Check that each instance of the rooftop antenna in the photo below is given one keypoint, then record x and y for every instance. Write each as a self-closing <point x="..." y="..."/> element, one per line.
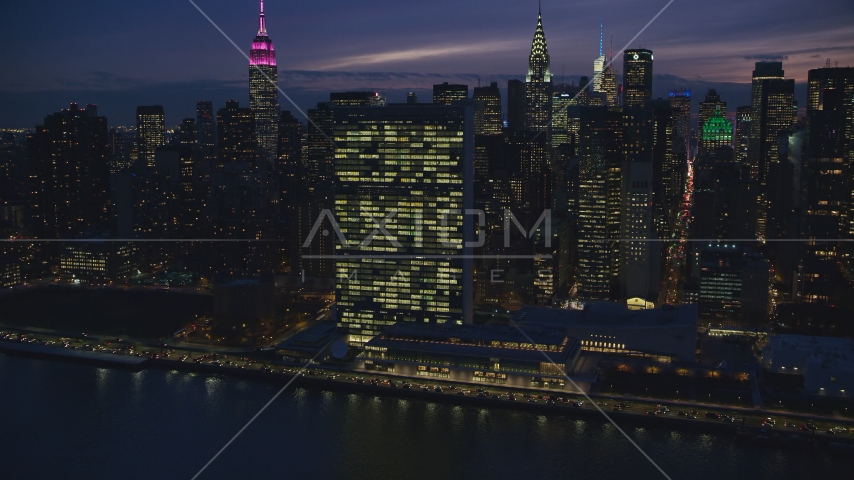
<point x="600" y="37"/>
<point x="611" y="48"/>
<point x="827" y="64"/>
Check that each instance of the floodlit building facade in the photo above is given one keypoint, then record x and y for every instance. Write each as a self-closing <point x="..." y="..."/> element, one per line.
<point x="404" y="175"/>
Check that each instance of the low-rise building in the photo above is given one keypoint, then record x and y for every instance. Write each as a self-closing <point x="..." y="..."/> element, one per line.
<point x="314" y="343"/>
<point x="668" y="333"/>
<point x="826" y="363"/>
<point x="500" y="355"/>
<point x="96" y="262"/>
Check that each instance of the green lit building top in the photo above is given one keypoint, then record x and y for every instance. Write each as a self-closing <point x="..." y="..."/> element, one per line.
<point x="716" y="132"/>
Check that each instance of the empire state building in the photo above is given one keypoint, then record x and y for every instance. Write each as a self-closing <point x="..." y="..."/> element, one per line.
<point x="263" y="94"/>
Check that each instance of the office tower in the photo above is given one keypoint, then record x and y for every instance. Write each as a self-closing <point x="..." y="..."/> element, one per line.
<point x="186" y="134"/>
<point x="357" y="99"/>
<point x="290" y="166"/>
<point x="516" y="105"/>
<point x="721" y="267"/>
<point x="772" y="113"/>
<point x="742" y="134"/>
<point x="447" y="94"/>
<point x="662" y="153"/>
<point x="600" y="159"/>
<point x="318" y="145"/>
<point x="607" y="77"/>
<point x="637" y="77"/>
<point x="640" y="259"/>
<point x="826" y="182"/>
<point x="598" y="65"/>
<point x="403" y="175"/>
<point x="411" y="98"/>
<point x="487" y="110"/>
<point x="562" y="100"/>
<point x="609" y="87"/>
<point x="675" y="169"/>
<point x="538" y="82"/>
<point x="583" y="91"/>
<point x="708" y="108"/>
<point x="263" y="92"/>
<point x="236" y="136"/>
<point x="70" y="175"/>
<point x="150" y="133"/>
<point x="121" y="148"/>
<point x="715" y="133"/>
<point x="206" y="127"/>
<point x="169" y="209"/>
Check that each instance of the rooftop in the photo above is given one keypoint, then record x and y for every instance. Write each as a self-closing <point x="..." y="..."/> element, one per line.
<point x="611" y="314"/>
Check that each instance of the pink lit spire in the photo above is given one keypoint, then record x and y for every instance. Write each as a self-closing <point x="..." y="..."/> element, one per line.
<point x="262" y="28"/>
<point x="262" y="52"/>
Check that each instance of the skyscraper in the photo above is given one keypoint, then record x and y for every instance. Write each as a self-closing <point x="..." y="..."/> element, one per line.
<point x="403" y="177"/>
<point x="536" y="143"/>
<point x="150" y="133"/>
<point x="206" y="125"/>
<point x="487" y="110"/>
<point x="772" y="110"/>
<point x="599" y="201"/>
<point x="263" y="92"/>
<point x="742" y="134"/>
<point x="70" y="175"/>
<point x="827" y="182"/>
<point x="637" y="77"/>
<point x="715" y="132"/>
<point x="598" y="65"/>
<point x="772" y="114"/>
<point x="446" y="94"/>
<point x="708" y="108"/>
<point x="236" y="135"/>
<point x="538" y="82"/>
<point x="676" y="165"/>
<point x="516" y="105"/>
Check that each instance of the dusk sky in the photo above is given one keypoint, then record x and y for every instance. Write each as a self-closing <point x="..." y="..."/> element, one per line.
<point x="122" y="54"/>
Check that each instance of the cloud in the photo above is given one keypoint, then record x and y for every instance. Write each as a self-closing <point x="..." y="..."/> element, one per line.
<point x="420" y="53"/>
<point x="767" y="57"/>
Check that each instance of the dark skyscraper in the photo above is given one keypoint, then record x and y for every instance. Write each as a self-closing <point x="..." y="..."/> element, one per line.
<point x="446" y="94"/>
<point x="290" y="165"/>
<point x="150" y="133"/>
<point x="516" y="105"/>
<point x="827" y="181"/>
<point x="235" y="134"/>
<point x="487" y="110"/>
<point x="263" y="92"/>
<point x="206" y="125"/>
<point x="71" y="177"/>
<point x="742" y="134"/>
<point x="637" y="77"/>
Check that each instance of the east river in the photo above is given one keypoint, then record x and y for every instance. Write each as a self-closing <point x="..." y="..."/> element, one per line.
<point x="70" y="421"/>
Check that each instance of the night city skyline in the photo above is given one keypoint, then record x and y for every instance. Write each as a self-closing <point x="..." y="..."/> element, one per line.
<point x="120" y="60"/>
<point x="607" y="239"/>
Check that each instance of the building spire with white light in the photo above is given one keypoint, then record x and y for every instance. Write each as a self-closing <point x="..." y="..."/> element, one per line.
<point x="262" y="27"/>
